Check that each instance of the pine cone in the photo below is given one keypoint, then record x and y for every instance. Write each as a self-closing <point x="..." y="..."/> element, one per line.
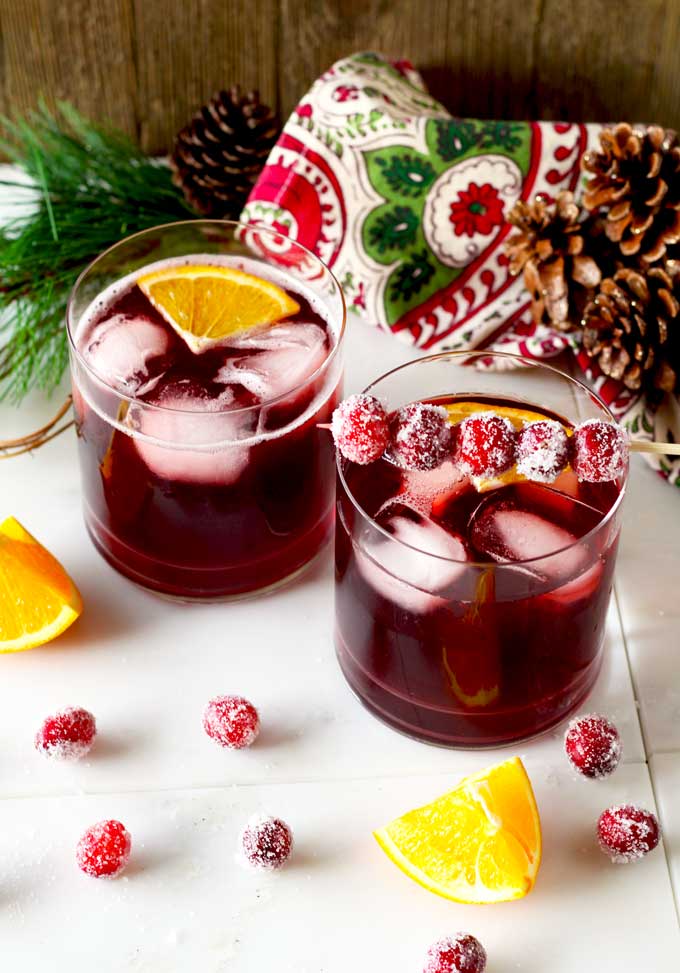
<point x="635" y="178"/>
<point x="218" y="156"/>
<point x="632" y="327"/>
<point x="549" y="249"/>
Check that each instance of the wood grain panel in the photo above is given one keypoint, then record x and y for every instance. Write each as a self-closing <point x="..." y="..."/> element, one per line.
<point x="80" y="51"/>
<point x="664" y="92"/>
<point x="597" y="61"/>
<point x="146" y="65"/>
<point x="476" y="55"/>
<point x="187" y="49"/>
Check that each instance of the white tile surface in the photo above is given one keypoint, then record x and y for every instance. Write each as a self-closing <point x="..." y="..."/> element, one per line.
<point x="665" y="770"/>
<point x="340" y="905"/>
<point x="146" y="668"/>
<point x="648" y="592"/>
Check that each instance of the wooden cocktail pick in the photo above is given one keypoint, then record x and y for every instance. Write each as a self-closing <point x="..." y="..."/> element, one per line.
<point x="661" y="449"/>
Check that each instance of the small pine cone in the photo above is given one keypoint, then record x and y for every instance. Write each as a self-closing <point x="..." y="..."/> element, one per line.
<point x="218" y="156"/>
<point x="635" y="179"/>
<point x="632" y="327"/>
<point x="549" y="247"/>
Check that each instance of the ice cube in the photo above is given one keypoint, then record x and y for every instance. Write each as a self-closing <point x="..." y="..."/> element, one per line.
<point x="582" y="587"/>
<point x="507" y="534"/>
<point x="403" y="569"/>
<point x="280" y="359"/>
<point x="188" y="417"/>
<point x="430" y="491"/>
<point x="121" y="349"/>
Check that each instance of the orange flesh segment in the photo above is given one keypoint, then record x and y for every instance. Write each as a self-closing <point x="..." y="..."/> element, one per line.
<point x="480" y="843"/>
<point x="38" y="600"/>
<point x="208" y="304"/>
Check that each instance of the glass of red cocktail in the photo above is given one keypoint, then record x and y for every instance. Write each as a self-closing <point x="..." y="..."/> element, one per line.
<point x="203" y="356"/>
<point x="470" y="611"/>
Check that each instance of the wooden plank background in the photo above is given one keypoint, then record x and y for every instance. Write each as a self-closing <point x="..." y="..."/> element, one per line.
<point x="146" y="65"/>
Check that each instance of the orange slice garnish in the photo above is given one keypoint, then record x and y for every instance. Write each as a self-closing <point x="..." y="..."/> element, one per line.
<point x="479" y="843"/>
<point x="38" y="600"/>
<point x="207" y="305"/>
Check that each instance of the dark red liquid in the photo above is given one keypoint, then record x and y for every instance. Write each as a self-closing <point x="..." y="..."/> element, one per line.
<point x="490" y="653"/>
<point x="194" y="534"/>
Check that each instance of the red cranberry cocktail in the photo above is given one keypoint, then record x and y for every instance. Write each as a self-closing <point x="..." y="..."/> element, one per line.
<point x="471" y="603"/>
<point x="204" y="355"/>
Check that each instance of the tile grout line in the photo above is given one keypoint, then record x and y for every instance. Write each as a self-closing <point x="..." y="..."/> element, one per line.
<point x="230" y="785"/>
<point x="648" y="755"/>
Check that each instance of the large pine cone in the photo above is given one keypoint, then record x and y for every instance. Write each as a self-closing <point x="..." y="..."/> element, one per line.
<point x="635" y="178"/>
<point x="549" y="248"/>
<point x="632" y="327"/>
<point x="219" y="155"/>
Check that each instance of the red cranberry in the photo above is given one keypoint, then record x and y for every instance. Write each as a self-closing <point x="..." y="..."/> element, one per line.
<point x="593" y="746"/>
<point x="599" y="451"/>
<point x="231" y="721"/>
<point x="266" y="842"/>
<point x="627" y="833"/>
<point x="67" y="735"/>
<point x="421" y="436"/>
<point x="485" y="444"/>
<point x="104" y="849"/>
<point x="360" y="429"/>
<point x="461" y="953"/>
<point x="542" y="450"/>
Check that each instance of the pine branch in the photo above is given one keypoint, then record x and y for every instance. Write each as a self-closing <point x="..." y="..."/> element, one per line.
<point x="93" y="188"/>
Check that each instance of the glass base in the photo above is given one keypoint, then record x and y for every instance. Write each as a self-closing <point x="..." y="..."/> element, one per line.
<point x="187" y="596"/>
<point x="568" y="705"/>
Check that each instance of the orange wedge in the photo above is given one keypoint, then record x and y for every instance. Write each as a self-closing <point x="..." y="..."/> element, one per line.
<point x="208" y="304"/>
<point x="38" y="600"/>
<point x="479" y="843"/>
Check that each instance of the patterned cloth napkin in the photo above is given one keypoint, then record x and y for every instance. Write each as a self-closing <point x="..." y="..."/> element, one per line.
<point x="408" y="206"/>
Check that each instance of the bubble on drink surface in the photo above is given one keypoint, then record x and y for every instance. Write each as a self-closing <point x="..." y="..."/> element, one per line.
<point x="122" y="350"/>
<point x="278" y="359"/>
<point x="188" y="417"/>
<point x="415" y="568"/>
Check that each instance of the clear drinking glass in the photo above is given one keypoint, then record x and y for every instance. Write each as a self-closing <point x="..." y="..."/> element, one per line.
<point x="442" y="630"/>
<point x="194" y="485"/>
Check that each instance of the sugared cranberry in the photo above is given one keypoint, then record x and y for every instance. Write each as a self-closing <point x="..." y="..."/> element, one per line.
<point x="231" y="721"/>
<point x="104" y="849"/>
<point x="542" y="450"/>
<point x="67" y="735"/>
<point x="421" y="436"/>
<point x="599" y="451"/>
<point x="360" y="429"/>
<point x="485" y="444"/>
<point x="266" y="843"/>
<point x="461" y="953"/>
<point x="626" y="832"/>
<point x="593" y="746"/>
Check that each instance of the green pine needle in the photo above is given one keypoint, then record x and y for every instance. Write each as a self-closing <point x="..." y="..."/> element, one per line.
<point x="94" y="187"/>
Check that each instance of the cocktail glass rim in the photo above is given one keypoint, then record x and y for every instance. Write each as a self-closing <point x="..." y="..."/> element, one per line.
<point x="519" y="360"/>
<point x="71" y="326"/>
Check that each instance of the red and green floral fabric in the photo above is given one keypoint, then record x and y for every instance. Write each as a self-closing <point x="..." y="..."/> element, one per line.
<point x="408" y="207"/>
